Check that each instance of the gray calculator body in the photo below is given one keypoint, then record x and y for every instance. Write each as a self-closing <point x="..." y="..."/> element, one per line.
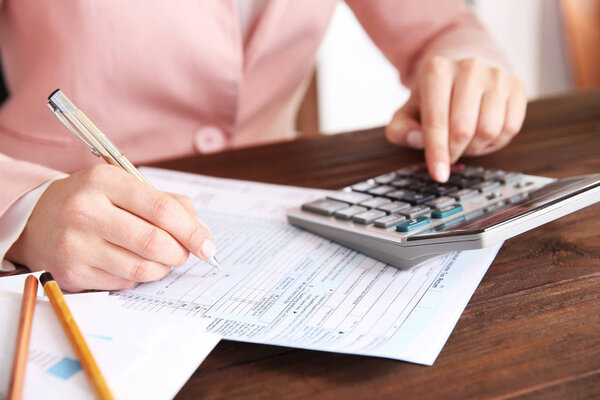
<point x="485" y="218"/>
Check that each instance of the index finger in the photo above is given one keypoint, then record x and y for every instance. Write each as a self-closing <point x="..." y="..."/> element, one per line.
<point x="435" y="92"/>
<point x="165" y="212"/>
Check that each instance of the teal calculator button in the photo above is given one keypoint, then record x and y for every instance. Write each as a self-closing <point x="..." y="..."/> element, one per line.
<point x="446" y="211"/>
<point x="412" y="224"/>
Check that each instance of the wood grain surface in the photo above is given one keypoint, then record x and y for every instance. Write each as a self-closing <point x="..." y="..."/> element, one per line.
<point x="532" y="328"/>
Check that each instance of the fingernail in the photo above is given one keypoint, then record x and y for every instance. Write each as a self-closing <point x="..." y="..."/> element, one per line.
<point x="415" y="139"/>
<point x="208" y="248"/>
<point x="441" y="171"/>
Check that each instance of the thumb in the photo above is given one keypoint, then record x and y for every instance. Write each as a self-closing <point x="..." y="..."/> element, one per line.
<point x="405" y="129"/>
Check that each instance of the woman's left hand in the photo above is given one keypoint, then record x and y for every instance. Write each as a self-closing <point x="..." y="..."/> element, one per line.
<point x="465" y="107"/>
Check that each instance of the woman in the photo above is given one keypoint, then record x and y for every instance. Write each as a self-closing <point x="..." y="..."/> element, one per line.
<point x="170" y="79"/>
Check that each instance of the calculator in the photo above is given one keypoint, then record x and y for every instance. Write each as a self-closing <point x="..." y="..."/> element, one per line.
<point x="404" y="217"/>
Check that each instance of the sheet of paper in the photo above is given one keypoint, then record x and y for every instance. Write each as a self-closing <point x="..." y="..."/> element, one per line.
<point x="130" y="349"/>
<point x="284" y="286"/>
<point x="15" y="283"/>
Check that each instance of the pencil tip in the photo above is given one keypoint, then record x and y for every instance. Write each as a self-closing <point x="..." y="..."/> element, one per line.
<point x="45" y="278"/>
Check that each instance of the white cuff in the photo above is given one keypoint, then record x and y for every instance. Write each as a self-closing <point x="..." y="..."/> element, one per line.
<point x="14" y="220"/>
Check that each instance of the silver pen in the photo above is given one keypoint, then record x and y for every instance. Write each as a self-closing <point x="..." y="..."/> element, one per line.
<point x="85" y="130"/>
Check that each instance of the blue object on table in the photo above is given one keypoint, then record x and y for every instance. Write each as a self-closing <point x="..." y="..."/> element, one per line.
<point x="446" y="211"/>
<point x="412" y="224"/>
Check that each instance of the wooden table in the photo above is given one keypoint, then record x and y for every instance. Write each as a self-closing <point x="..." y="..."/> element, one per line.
<point x="532" y="328"/>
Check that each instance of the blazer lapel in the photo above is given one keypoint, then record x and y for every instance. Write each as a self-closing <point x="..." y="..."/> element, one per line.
<point x="264" y="27"/>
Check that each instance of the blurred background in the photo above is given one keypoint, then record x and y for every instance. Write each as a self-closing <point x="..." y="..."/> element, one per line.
<point x="552" y="45"/>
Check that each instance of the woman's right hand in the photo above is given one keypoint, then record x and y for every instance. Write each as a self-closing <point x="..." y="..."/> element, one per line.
<point x="101" y="228"/>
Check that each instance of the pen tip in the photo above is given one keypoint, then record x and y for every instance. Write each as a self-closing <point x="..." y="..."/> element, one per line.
<point x="215" y="263"/>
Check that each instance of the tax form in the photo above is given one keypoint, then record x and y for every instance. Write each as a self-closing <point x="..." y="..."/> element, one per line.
<point x="284" y="286"/>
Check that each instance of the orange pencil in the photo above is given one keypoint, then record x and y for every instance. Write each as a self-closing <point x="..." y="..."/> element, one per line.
<point x="15" y="389"/>
<point x="75" y="337"/>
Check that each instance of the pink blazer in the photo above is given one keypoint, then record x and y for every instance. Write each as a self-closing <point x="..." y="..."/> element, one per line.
<point x="174" y="78"/>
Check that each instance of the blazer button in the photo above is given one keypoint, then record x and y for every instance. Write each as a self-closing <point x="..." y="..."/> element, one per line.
<point x="209" y="139"/>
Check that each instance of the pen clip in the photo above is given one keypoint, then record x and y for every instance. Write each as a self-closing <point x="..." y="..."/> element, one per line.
<point x="71" y="128"/>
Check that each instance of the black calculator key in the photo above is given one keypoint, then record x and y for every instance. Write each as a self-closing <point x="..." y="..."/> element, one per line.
<point x="422" y="175"/>
<point x="403" y="182"/>
<point x="324" y="206"/>
<point x="464" y="182"/>
<point x="399" y="194"/>
<point x="418" y="198"/>
<point x="420" y="186"/>
<point x="381" y="190"/>
<point x="443" y="190"/>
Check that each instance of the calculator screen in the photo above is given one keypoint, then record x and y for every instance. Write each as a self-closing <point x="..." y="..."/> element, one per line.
<point x="482" y="220"/>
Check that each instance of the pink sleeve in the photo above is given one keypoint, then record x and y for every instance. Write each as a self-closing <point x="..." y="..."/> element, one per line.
<point x="19" y="177"/>
<point x="409" y="32"/>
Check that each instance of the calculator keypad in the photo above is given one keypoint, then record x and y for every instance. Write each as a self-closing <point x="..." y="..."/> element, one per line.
<point x="406" y="199"/>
